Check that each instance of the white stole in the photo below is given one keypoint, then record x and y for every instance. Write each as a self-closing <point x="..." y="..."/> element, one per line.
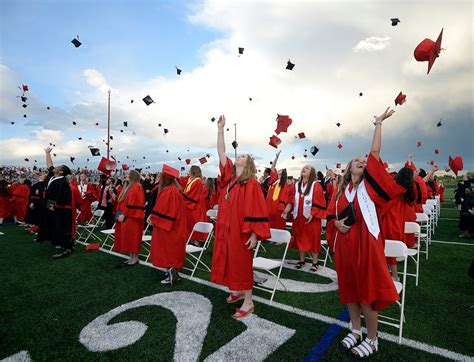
<point x="54" y="178"/>
<point x="367" y="207"/>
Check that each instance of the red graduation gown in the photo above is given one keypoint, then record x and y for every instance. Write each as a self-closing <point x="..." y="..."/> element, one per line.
<point x="195" y="203"/>
<point x="20" y="196"/>
<point x="128" y="234"/>
<point x="307" y="237"/>
<point x="5" y="205"/>
<point x="76" y="204"/>
<point x="421" y="193"/>
<point x="243" y="213"/>
<point x="89" y="197"/>
<point x="276" y="205"/>
<point x="168" y="241"/>
<point x="441" y="192"/>
<point x="362" y="272"/>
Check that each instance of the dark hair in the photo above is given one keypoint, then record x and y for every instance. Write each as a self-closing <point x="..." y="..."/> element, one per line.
<point x="119" y="182"/>
<point x="404" y="178"/>
<point x="27" y="182"/>
<point x="283" y="177"/>
<point x="422" y="173"/>
<point x="268" y="170"/>
<point x="311" y="179"/>
<point x="3" y="187"/>
<point x="195" y="171"/>
<point x="320" y="176"/>
<point x="66" y="170"/>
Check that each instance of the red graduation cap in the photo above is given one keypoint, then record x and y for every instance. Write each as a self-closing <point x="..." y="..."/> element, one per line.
<point x="401" y="98"/>
<point x="93" y="246"/>
<point x="25" y="88"/>
<point x="456" y="164"/>
<point x="188" y="161"/>
<point x="339" y="145"/>
<point x="338" y="165"/>
<point x="106" y="165"/>
<point x="436" y="151"/>
<point x="301" y="135"/>
<point x="203" y="160"/>
<point x="124" y="167"/>
<point x="170" y="172"/>
<point x="428" y="51"/>
<point x="432" y="162"/>
<point x="418" y="144"/>
<point x="283" y="122"/>
<point x="274" y="141"/>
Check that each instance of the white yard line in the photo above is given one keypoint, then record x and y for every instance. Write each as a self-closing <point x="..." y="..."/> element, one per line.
<point x="451" y="242"/>
<point x="330" y="320"/>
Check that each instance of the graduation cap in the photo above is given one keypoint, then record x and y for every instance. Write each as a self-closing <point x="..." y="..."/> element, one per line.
<point x="93" y="246"/>
<point x="97" y="123"/>
<point x="131" y="101"/>
<point x="24" y="99"/>
<point x="228" y="129"/>
<point x="361" y="94"/>
<point x="36" y="161"/>
<point x="112" y="138"/>
<point x="188" y="161"/>
<point x="25" y="88"/>
<point x="183" y="168"/>
<point x="144" y="157"/>
<point x="87" y="160"/>
<point x="250" y="99"/>
<point x="148" y="100"/>
<point x="431" y="162"/>
<point x="339" y="145"/>
<point x="401" y="98"/>
<point x="178" y="71"/>
<point x="293" y="157"/>
<point x="121" y="131"/>
<point x="74" y="123"/>
<point x="106" y="165"/>
<point x="72" y="159"/>
<point x="395" y="21"/>
<point x="338" y="124"/>
<point x="418" y="144"/>
<point x="94" y="151"/>
<point x="274" y="141"/>
<point x="289" y="65"/>
<point x="48" y="107"/>
<point x="456" y="164"/>
<point x="169" y="172"/>
<point x="314" y="150"/>
<point x="124" y="167"/>
<point x="24" y="105"/>
<point x="439" y="124"/>
<point x="159" y="124"/>
<point x="428" y="51"/>
<point x="283" y="122"/>
<point x="125" y="123"/>
<point x="213" y="119"/>
<point x="54" y="154"/>
<point x="12" y="122"/>
<point x="27" y="160"/>
<point x="167" y="151"/>
<point x="305" y="155"/>
<point x="179" y="158"/>
<point x="24" y="116"/>
<point x="436" y="151"/>
<point x="338" y="165"/>
<point x="241" y="51"/>
<point x="165" y="130"/>
<point x="76" y="42"/>
<point x="235" y="144"/>
<point x="203" y="160"/>
<point x="301" y="135"/>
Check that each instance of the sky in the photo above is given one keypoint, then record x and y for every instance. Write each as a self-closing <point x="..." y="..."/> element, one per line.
<point x="339" y="48"/>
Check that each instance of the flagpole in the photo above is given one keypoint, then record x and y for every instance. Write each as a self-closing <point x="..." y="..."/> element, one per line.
<point x="108" y="127"/>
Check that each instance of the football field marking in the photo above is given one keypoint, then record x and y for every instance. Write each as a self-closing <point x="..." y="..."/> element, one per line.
<point x="451" y="242"/>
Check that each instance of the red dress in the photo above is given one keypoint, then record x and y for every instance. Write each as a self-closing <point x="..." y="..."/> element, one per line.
<point x="20" y="194"/>
<point x="89" y="197"/>
<point x="242" y="213"/>
<point x="5" y="205"/>
<point x="195" y="203"/>
<point x="396" y="214"/>
<point x="128" y="234"/>
<point x="277" y="199"/>
<point x="168" y="240"/>
<point x="307" y="237"/>
<point x="362" y="272"/>
<point x="421" y="193"/>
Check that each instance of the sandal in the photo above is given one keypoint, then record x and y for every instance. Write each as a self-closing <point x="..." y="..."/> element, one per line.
<point x="232" y="298"/>
<point x="350" y="341"/>
<point x="314" y="268"/>
<point x="366" y="349"/>
<point x="239" y="313"/>
<point x="300" y="264"/>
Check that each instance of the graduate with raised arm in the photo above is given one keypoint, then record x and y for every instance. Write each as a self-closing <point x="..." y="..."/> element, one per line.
<point x="364" y="281"/>
<point x="277" y="196"/>
<point x="241" y="222"/>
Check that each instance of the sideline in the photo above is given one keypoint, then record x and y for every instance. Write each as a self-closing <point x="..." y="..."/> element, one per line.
<point x="451" y="242"/>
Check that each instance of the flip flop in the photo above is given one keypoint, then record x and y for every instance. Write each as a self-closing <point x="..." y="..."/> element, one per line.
<point x="239" y="313"/>
<point x="232" y="298"/>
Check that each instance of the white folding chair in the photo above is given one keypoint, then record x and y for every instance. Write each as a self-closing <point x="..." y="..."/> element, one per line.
<point x="324" y="243"/>
<point x="216" y="207"/>
<point x="94" y="205"/>
<point x="397" y="249"/>
<point x="109" y="235"/>
<point x="434" y="203"/>
<point x="429" y="210"/>
<point x="212" y="215"/>
<point x="414" y="253"/>
<point x="425" y="234"/>
<point x="260" y="263"/>
<point x="199" y="227"/>
<point x="146" y="243"/>
<point x="90" y="227"/>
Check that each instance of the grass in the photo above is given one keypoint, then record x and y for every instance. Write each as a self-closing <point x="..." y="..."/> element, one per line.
<point x="45" y="304"/>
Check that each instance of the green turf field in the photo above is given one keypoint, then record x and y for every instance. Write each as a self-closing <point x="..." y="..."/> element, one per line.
<point x="47" y="308"/>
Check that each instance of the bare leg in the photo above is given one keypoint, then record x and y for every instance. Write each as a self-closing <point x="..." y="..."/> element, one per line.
<point x="315" y="257"/>
<point x="354" y="313"/>
<point x="133" y="258"/>
<point x="248" y="303"/>
<point x="302" y="256"/>
<point x="394" y="271"/>
<point x="371" y="320"/>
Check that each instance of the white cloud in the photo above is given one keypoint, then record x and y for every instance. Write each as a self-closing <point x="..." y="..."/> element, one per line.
<point x="372" y="44"/>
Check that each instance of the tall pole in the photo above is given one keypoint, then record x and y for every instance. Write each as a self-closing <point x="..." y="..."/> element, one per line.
<point x="235" y="139"/>
<point x="108" y="127"/>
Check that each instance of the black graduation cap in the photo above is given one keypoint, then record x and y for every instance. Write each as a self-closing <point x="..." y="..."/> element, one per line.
<point x="338" y="124"/>
<point x="166" y="130"/>
<point x="271" y="162"/>
<point x="148" y="100"/>
<point x="54" y="154"/>
<point x="72" y="159"/>
<point x="361" y="94"/>
<point x="76" y="42"/>
<point x="139" y="170"/>
<point x="87" y="160"/>
<point x="79" y="138"/>
<point x="178" y="71"/>
<point x="235" y="144"/>
<point x="144" y="157"/>
<point x="12" y="122"/>
<point x="314" y="150"/>
<point x="54" y="145"/>
<point x="250" y="98"/>
<point x="111" y="148"/>
<point x="290" y="65"/>
<point x="36" y="161"/>
<point x="125" y="123"/>
<point x="35" y="168"/>
<point x="439" y="124"/>
<point x="395" y="21"/>
<point x="167" y="151"/>
<point x="179" y="158"/>
<point x="97" y="123"/>
<point x="228" y="129"/>
<point x="183" y="168"/>
<point x="94" y="151"/>
<point x="121" y="131"/>
<point x="111" y="137"/>
<point x="24" y="105"/>
<point x="24" y="116"/>
<point x="159" y="124"/>
<point x="27" y="160"/>
<point x="24" y="99"/>
<point x="127" y="157"/>
<point x="213" y="119"/>
<point x="48" y="107"/>
<point x="74" y="123"/>
<point x="241" y="51"/>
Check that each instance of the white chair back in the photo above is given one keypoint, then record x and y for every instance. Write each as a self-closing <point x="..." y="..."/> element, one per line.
<point x="99" y="213"/>
<point x="323" y="223"/>
<point x="431" y="202"/>
<point x="420" y="217"/>
<point x="212" y="213"/>
<point x="203" y="227"/>
<point x="280" y="236"/>
<point x="215" y="207"/>
<point x="412" y="228"/>
<point x="395" y="249"/>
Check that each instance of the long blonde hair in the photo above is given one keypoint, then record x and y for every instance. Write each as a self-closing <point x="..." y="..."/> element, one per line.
<point x="346" y="180"/>
<point x="134" y="177"/>
<point x="249" y="171"/>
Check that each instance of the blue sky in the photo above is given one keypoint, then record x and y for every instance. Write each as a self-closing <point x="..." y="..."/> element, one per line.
<point x="132" y="47"/>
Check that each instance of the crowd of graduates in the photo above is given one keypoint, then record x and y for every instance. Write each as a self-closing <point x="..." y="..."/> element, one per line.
<point x="362" y="206"/>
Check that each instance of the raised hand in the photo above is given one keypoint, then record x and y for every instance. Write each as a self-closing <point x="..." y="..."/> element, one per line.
<point x="48" y="149"/>
<point x="388" y="113"/>
<point x="221" y="122"/>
